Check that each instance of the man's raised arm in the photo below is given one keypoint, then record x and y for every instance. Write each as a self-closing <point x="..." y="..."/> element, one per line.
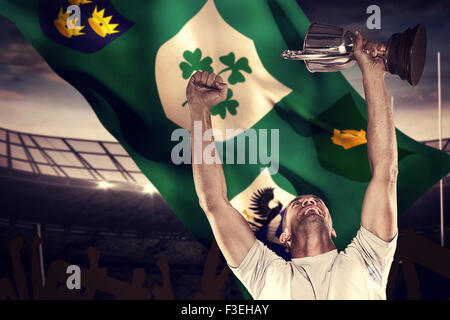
<point x="379" y="211"/>
<point x="232" y="232"/>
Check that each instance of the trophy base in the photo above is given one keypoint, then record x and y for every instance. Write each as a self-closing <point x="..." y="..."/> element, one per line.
<point x="406" y="54"/>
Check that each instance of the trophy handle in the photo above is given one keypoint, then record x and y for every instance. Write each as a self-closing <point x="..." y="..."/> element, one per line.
<point x="304" y="55"/>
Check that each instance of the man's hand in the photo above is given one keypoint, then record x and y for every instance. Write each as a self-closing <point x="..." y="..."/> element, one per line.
<point x="205" y="90"/>
<point x="366" y="53"/>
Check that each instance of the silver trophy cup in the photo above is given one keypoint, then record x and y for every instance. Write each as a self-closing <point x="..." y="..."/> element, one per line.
<point x="329" y="48"/>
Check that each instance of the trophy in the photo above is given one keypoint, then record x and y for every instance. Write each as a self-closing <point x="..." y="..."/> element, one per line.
<point x="329" y="48"/>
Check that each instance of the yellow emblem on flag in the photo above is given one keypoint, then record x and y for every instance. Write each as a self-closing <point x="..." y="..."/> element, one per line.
<point x="349" y="138"/>
<point x="101" y="25"/>
<point x="247" y="216"/>
<point x="61" y="25"/>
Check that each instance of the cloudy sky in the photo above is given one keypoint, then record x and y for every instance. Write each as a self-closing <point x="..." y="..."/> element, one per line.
<point x="34" y="99"/>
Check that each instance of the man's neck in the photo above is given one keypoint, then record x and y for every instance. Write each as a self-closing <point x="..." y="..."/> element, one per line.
<point x="309" y="245"/>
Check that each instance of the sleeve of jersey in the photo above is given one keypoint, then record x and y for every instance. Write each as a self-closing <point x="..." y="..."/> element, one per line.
<point x="253" y="269"/>
<point x="376" y="254"/>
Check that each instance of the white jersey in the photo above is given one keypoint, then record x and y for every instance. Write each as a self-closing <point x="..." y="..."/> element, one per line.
<point x="359" y="272"/>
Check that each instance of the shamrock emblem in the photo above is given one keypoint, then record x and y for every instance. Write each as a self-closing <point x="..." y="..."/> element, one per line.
<point x="195" y="63"/>
<point x="222" y="107"/>
<point x="235" y="67"/>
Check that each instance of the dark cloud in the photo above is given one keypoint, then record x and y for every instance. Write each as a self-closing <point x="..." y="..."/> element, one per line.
<point x="9" y="95"/>
<point x="19" y="55"/>
<point x="9" y="33"/>
<point x="21" y="60"/>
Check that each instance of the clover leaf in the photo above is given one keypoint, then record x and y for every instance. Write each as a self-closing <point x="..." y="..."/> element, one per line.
<point x="235" y="67"/>
<point x="222" y="107"/>
<point x="195" y="63"/>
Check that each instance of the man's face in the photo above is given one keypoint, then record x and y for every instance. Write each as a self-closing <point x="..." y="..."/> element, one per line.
<point x="308" y="211"/>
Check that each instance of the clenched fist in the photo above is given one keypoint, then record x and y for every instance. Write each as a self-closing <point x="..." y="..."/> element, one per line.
<point x="205" y="90"/>
<point x="366" y="53"/>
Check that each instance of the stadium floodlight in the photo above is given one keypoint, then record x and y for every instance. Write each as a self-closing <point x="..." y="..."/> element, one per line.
<point x="149" y="188"/>
<point x="104" y="185"/>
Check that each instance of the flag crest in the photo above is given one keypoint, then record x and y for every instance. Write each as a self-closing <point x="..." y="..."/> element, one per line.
<point x="83" y="25"/>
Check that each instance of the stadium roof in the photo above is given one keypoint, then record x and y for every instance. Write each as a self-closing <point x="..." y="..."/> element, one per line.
<point x="101" y="162"/>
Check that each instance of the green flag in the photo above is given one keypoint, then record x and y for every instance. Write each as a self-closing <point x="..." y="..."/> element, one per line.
<point x="131" y="60"/>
